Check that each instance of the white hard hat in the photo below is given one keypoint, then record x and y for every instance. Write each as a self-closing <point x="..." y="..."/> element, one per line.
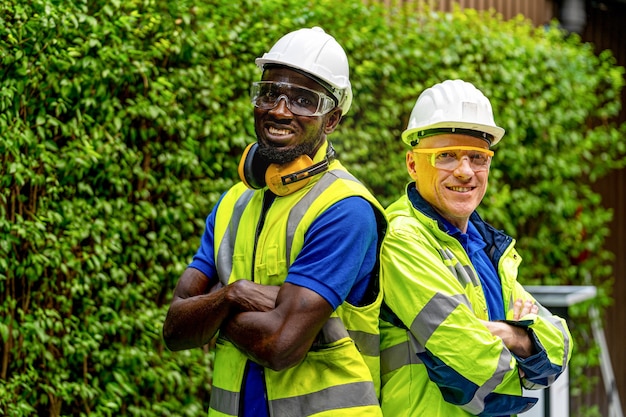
<point x="453" y="106"/>
<point x="318" y="54"/>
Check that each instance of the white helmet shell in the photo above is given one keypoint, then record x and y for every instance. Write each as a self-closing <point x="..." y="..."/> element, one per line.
<point x="451" y="105"/>
<point x="314" y="52"/>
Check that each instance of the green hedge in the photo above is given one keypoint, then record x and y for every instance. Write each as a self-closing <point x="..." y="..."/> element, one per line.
<point x="122" y="122"/>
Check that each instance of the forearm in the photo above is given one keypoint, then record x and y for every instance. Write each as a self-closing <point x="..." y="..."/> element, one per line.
<point x="192" y="322"/>
<point x="279" y="338"/>
<point x="258" y="336"/>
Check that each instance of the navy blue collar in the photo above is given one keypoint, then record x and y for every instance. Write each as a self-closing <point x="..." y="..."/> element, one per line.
<point x="496" y="240"/>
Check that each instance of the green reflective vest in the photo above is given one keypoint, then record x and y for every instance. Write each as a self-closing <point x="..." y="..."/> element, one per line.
<point x="339" y="376"/>
<point x="432" y="300"/>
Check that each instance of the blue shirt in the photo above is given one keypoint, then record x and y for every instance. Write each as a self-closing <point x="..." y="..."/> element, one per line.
<point x="339" y="253"/>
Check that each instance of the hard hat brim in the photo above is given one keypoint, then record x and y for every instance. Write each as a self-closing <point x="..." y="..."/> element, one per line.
<point x="410" y="135"/>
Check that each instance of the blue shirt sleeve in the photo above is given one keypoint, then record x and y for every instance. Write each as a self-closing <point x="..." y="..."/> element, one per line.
<point x="339" y="253"/>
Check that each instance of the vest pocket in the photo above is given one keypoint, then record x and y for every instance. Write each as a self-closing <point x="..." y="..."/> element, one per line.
<point x="271" y="261"/>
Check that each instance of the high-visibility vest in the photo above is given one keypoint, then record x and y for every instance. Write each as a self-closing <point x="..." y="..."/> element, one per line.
<point x="340" y="375"/>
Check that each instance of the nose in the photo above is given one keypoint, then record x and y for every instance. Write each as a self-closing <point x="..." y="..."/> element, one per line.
<point x="464" y="168"/>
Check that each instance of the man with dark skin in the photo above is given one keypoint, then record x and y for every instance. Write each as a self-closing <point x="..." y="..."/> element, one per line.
<point x="284" y="276"/>
<point x="271" y="321"/>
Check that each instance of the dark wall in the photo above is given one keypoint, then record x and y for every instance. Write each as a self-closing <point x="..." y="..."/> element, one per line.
<point x="605" y="29"/>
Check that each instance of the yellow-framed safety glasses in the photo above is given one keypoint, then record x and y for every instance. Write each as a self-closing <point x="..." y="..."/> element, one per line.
<point x="449" y="157"/>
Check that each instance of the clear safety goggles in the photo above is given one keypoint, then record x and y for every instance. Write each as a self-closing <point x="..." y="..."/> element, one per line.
<point x="449" y="158"/>
<point x="300" y="100"/>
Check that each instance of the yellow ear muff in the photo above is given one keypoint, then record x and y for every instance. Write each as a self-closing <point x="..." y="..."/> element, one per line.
<point x="287" y="178"/>
<point x="255" y="172"/>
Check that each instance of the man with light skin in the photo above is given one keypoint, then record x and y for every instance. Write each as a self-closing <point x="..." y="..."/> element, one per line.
<point x="459" y="335"/>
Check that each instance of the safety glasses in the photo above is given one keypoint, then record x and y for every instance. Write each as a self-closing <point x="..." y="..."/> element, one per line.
<point x="300" y="100"/>
<point x="450" y="157"/>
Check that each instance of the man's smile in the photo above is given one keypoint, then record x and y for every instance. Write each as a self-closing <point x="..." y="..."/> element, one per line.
<point x="461" y="189"/>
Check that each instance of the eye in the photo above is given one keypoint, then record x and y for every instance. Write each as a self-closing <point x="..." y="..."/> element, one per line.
<point x="266" y="94"/>
<point x="479" y="158"/>
<point x="445" y="156"/>
<point x="270" y="94"/>
<point x="305" y="100"/>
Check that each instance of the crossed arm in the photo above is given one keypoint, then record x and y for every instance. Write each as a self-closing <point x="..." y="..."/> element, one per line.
<point x="274" y="326"/>
<point x="515" y="338"/>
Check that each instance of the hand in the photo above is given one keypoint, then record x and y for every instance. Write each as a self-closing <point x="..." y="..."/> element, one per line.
<point x="248" y="296"/>
<point x="522" y="308"/>
<point x="515" y="338"/>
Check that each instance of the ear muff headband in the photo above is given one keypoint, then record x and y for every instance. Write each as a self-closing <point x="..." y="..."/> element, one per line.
<point x="282" y="179"/>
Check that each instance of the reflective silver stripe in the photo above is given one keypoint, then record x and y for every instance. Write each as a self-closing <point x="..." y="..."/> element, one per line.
<point x="469" y="273"/>
<point x="356" y="394"/>
<point x="398" y="356"/>
<point x="463" y="273"/>
<point x="298" y="211"/>
<point x="367" y="343"/>
<point x="556" y="322"/>
<point x="446" y="254"/>
<point x="224" y="401"/>
<point x="332" y="331"/>
<point x="344" y="175"/>
<point x="227" y="246"/>
<point x="477" y="404"/>
<point x="438" y="308"/>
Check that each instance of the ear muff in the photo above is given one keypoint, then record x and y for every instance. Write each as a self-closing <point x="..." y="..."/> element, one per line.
<point x="252" y="167"/>
<point x="255" y="172"/>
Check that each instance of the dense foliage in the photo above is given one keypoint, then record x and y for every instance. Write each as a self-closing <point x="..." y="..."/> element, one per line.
<point x="122" y="122"/>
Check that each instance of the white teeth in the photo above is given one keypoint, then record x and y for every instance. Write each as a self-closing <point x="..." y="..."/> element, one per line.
<point x="460" y="189"/>
<point x="275" y="131"/>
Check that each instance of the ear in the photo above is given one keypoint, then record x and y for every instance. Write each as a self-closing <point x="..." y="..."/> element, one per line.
<point x="410" y="164"/>
<point x="332" y="120"/>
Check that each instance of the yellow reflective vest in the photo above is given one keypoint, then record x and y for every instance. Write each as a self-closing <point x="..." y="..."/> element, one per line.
<point x="437" y="358"/>
<point x="340" y="375"/>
